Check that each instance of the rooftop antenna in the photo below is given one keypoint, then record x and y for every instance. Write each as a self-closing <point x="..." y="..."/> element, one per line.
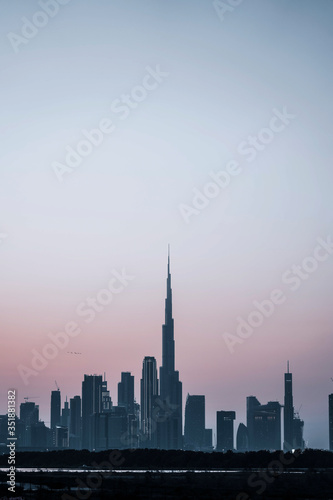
<point x="288" y="366"/>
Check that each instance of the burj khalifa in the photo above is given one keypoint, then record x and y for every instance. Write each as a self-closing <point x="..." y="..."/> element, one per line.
<point x="170" y="435"/>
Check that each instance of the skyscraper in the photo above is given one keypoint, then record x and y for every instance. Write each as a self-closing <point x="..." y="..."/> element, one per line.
<point x="288" y="414"/>
<point x="242" y="441"/>
<point x="29" y="415"/>
<point x="149" y="392"/>
<point x="65" y="415"/>
<point x="194" y="434"/>
<point x="106" y="398"/>
<point x="252" y="404"/>
<point x="225" y="430"/>
<point x="55" y="408"/>
<point x="75" y="423"/>
<point x="330" y="416"/>
<point x="126" y="392"/>
<point x="91" y="404"/>
<point x="170" y="436"/>
<point x="263" y="425"/>
<point x="293" y="425"/>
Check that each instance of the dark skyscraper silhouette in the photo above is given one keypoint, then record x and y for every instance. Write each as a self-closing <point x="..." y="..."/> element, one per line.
<point x="149" y="392"/>
<point x="65" y="415"/>
<point x="288" y="414"/>
<point x="75" y="423"/>
<point x="194" y="434"/>
<point x="242" y="440"/>
<point x="91" y="405"/>
<point x="55" y="408"/>
<point x="126" y="392"/>
<point x="225" y="430"/>
<point x="293" y="425"/>
<point x="170" y="385"/>
<point x="330" y="416"/>
<point x="263" y="425"/>
<point x="106" y="398"/>
<point x="29" y="415"/>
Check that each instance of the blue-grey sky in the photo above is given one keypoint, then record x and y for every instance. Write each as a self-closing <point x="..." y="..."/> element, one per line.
<point x="222" y="81"/>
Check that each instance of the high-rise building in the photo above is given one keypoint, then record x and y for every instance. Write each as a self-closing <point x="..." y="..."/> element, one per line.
<point x="225" y="430"/>
<point x="55" y="408"/>
<point x="61" y="437"/>
<point x="149" y="392"/>
<point x="126" y="392"/>
<point x="106" y="398"/>
<point x="29" y="413"/>
<point x="298" y="426"/>
<point x="29" y="416"/>
<point x="39" y="435"/>
<point x="263" y="425"/>
<point x="65" y="415"/>
<point x="194" y="433"/>
<point x="330" y="416"/>
<point x="117" y="427"/>
<point x="288" y="414"/>
<point x="242" y="440"/>
<point x="91" y="404"/>
<point x="170" y="430"/>
<point x="75" y="423"/>
<point x="252" y="404"/>
<point x="293" y="425"/>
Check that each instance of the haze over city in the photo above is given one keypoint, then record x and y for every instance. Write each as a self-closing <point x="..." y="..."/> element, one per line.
<point x="249" y="95"/>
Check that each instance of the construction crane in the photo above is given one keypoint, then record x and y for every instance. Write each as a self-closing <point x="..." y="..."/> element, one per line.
<point x="31" y="397"/>
<point x="56" y="385"/>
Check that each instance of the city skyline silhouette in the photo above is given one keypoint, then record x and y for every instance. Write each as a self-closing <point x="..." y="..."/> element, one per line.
<point x="128" y="127"/>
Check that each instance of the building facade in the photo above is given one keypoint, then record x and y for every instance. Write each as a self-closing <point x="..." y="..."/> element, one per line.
<point x="170" y="412"/>
<point x="194" y="433"/>
<point x="225" y="430"/>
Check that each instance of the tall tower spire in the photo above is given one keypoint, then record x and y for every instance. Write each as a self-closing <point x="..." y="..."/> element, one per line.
<point x="168" y="343"/>
<point x="170" y="385"/>
<point x="168" y="258"/>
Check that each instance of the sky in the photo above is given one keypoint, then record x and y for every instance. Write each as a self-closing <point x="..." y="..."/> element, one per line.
<point x="184" y="93"/>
